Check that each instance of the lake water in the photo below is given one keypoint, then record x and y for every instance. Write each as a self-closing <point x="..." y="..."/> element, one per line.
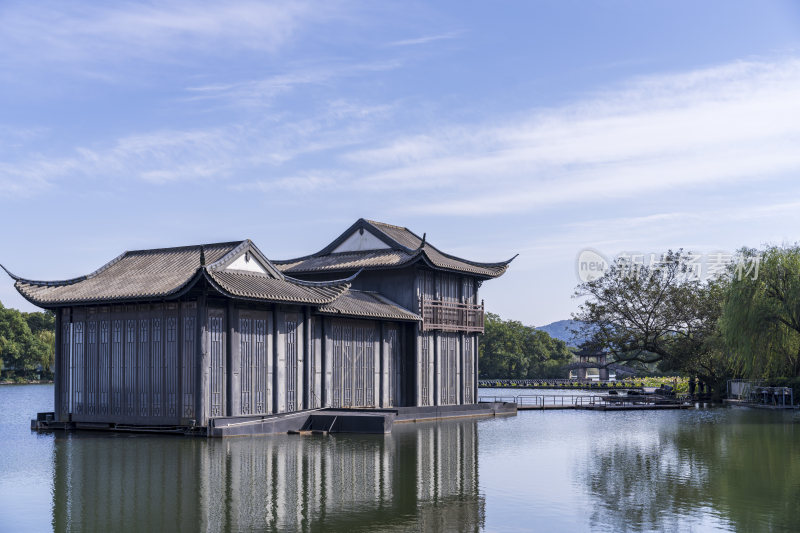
<point x="720" y="469"/>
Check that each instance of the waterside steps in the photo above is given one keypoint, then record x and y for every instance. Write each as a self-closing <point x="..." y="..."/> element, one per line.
<point x="322" y="421"/>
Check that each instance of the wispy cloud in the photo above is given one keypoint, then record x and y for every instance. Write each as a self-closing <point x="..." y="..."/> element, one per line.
<point x="722" y="124"/>
<point x="426" y="39"/>
<point x="262" y="91"/>
<point x="59" y="32"/>
<point x="297" y="184"/>
<point x="251" y="155"/>
<point x="735" y="123"/>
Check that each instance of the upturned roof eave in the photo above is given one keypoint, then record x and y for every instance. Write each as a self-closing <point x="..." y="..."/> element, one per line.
<point x="412" y="260"/>
<point x="159" y="297"/>
<point x="225" y="292"/>
<point x="71" y="281"/>
<point x="375" y="316"/>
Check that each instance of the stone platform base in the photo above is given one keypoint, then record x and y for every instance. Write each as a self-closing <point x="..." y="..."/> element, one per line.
<point x="312" y="421"/>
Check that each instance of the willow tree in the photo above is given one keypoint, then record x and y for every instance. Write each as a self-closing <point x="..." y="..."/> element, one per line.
<point x="656" y="314"/>
<point x="761" y="314"/>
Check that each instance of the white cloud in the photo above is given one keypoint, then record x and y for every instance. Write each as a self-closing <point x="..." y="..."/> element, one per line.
<point x="260" y="92"/>
<point x="95" y="32"/>
<point x="302" y="184"/>
<point x="228" y="152"/>
<point x="426" y="39"/>
<point x="735" y="122"/>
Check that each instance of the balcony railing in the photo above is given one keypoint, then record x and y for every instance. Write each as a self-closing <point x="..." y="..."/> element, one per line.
<point x="445" y="315"/>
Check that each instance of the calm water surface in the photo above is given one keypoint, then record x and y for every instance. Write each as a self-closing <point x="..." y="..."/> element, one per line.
<point x="700" y="470"/>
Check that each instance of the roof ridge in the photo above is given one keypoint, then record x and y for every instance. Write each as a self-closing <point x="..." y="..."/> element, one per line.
<point x="186" y="247"/>
<point x="376" y="225"/>
<point x="386" y="224"/>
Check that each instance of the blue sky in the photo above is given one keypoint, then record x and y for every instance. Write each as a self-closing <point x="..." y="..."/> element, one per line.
<point x="532" y="127"/>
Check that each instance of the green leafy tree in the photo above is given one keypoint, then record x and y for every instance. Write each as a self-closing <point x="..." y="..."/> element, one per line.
<point x="661" y="314"/>
<point x="26" y="354"/>
<point x="760" y="322"/>
<point x="47" y="339"/>
<point x="510" y="349"/>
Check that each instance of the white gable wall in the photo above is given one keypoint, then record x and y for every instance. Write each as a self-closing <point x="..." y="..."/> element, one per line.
<point x="361" y="241"/>
<point x="241" y="263"/>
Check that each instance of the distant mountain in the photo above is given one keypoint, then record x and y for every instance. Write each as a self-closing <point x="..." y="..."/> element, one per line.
<point x="562" y="330"/>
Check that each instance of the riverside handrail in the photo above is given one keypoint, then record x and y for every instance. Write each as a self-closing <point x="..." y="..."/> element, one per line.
<point x="543" y="400"/>
<point x="505" y="383"/>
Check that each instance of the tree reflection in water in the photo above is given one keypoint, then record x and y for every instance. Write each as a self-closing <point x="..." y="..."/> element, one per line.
<point x="422" y="476"/>
<point x="732" y="469"/>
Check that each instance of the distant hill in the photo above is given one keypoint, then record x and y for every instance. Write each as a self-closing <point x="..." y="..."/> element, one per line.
<point x="562" y="330"/>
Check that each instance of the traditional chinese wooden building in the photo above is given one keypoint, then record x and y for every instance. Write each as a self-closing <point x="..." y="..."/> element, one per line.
<point x="179" y="337"/>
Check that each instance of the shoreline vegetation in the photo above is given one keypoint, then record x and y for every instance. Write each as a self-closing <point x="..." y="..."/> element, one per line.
<point x="27" y="382"/>
<point x="27" y="346"/>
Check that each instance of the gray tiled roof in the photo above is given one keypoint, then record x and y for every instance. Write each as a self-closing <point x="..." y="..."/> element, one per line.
<point x="135" y="275"/>
<point x="399" y="234"/>
<point x="261" y="287"/>
<point x="162" y="273"/>
<point x="451" y="262"/>
<point x="368" y="304"/>
<point x="406" y="248"/>
<point x="346" y="261"/>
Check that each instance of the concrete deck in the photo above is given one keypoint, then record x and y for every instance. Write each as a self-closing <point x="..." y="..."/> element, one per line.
<point x="312" y="421"/>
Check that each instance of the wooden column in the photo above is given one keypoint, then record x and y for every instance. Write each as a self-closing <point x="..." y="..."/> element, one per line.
<point x="325" y="355"/>
<point x="59" y="355"/>
<point x="475" y="339"/>
<point x="382" y="389"/>
<point x="203" y="368"/>
<point x="232" y="383"/>
<point x="418" y="365"/>
<point x="308" y="375"/>
<point x="437" y="368"/>
<point x="462" y="339"/>
<point x="276" y="338"/>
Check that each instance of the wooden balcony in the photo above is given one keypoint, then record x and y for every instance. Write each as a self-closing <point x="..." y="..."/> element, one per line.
<point x="445" y="315"/>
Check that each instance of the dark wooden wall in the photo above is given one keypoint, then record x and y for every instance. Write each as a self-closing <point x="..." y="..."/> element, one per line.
<point x="123" y="364"/>
<point x="181" y="363"/>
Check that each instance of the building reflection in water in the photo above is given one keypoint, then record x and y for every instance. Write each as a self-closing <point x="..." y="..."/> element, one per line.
<point x="422" y="476"/>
